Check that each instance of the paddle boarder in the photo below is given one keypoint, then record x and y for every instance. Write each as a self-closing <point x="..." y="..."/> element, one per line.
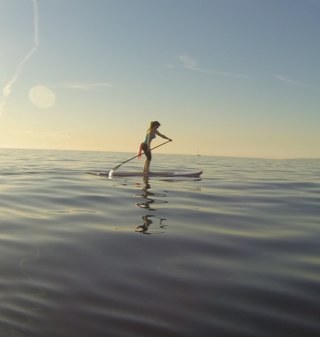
<point x="145" y="146"/>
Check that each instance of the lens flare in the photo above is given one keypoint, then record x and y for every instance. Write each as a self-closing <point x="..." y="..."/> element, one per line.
<point x="42" y="97"/>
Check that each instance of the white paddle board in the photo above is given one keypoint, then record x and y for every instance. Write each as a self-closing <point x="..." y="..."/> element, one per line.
<point x="196" y="173"/>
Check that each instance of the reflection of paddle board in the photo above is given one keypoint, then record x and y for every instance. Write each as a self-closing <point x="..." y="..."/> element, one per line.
<point x="151" y="174"/>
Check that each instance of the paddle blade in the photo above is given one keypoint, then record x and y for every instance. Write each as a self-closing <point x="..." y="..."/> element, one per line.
<point x="110" y="174"/>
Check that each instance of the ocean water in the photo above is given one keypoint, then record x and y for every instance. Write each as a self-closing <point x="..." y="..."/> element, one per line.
<point x="234" y="253"/>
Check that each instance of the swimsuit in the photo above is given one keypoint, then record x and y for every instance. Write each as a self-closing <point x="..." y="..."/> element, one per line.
<point x="144" y="145"/>
<point x="149" y="135"/>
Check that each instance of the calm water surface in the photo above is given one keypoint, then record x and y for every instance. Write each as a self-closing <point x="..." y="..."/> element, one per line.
<point x="235" y="253"/>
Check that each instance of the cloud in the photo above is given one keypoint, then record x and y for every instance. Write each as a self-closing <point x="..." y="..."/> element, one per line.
<point x="191" y="64"/>
<point x="20" y="132"/>
<point x="7" y="89"/>
<point x="188" y="62"/>
<point x="83" y="86"/>
<point x="63" y="134"/>
<point x="288" y="80"/>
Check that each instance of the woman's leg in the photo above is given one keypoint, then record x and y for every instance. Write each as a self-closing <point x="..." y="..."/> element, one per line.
<point x="146" y="166"/>
<point x="147" y="153"/>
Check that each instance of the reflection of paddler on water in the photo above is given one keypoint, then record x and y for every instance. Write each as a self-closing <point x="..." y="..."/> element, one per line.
<point x="146" y="224"/>
<point x="146" y="205"/>
<point x="147" y="196"/>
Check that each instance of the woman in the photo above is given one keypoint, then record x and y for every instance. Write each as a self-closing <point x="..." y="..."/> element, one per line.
<point x="146" y="144"/>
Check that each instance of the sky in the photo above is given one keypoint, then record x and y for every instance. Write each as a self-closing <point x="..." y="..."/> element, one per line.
<point x="234" y="78"/>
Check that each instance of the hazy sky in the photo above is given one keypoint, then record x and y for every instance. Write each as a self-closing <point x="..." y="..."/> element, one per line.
<point x="223" y="77"/>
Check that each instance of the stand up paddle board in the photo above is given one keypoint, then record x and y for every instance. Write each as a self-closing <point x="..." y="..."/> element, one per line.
<point x="150" y="174"/>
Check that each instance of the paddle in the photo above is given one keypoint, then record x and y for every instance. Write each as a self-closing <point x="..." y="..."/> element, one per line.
<point x="116" y="167"/>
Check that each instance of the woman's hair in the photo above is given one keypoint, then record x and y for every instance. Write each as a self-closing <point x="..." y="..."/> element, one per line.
<point x="154" y="123"/>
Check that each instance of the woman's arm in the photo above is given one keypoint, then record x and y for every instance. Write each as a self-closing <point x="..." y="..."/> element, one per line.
<point x="163" y="136"/>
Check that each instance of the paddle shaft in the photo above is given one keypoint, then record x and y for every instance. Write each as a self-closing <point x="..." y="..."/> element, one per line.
<point x="136" y="156"/>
